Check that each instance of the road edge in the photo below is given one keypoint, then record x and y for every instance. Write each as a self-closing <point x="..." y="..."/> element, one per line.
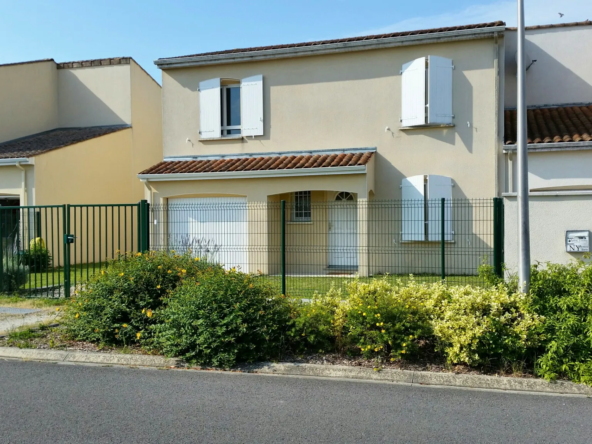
<point x="407" y="377"/>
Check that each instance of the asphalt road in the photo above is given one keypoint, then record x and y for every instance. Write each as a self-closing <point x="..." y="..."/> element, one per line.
<point x="51" y="403"/>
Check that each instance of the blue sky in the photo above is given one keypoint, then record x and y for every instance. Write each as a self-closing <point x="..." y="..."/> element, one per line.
<point x="67" y="30"/>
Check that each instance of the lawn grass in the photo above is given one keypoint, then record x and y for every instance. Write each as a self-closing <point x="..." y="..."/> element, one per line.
<point x="305" y="286"/>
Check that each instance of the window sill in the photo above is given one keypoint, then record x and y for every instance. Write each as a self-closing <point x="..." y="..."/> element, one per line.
<point x="418" y="127"/>
<point x="424" y="242"/>
<point x="310" y="222"/>
<point x="211" y="139"/>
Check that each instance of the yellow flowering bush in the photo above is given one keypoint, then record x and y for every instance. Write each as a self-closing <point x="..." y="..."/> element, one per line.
<point x="482" y="326"/>
<point x="116" y="304"/>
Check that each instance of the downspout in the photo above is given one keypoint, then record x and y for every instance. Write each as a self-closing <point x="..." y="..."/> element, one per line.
<point x="24" y="184"/>
<point x="497" y="113"/>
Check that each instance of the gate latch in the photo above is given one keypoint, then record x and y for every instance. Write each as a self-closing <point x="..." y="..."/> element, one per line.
<point x="69" y="238"/>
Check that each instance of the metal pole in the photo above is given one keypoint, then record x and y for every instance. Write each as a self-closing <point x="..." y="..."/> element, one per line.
<point x="442" y="238"/>
<point x="283" y="253"/>
<point x="522" y="149"/>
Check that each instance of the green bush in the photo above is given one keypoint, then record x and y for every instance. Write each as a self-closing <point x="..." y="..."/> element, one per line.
<point x="221" y="318"/>
<point x="563" y="295"/>
<point x="14" y="275"/>
<point x="482" y="326"/>
<point x="383" y="320"/>
<point x="116" y="305"/>
<point x="312" y="326"/>
<point x="37" y="259"/>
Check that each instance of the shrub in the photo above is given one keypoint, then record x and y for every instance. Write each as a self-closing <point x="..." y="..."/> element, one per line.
<point x="37" y="257"/>
<point x="221" y="318"/>
<point x="313" y="327"/>
<point x="563" y="295"/>
<point x="14" y="275"/>
<point x="482" y="326"/>
<point x="382" y="320"/>
<point x="116" y="306"/>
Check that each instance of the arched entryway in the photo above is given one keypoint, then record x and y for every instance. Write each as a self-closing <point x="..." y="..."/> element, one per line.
<point x="343" y="232"/>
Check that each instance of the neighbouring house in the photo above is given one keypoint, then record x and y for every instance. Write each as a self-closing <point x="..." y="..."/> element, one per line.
<point x="77" y="132"/>
<point x="334" y="128"/>
<point x="559" y="116"/>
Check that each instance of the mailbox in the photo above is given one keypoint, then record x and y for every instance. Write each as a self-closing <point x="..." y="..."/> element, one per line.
<point x="577" y="241"/>
<point x="69" y="238"/>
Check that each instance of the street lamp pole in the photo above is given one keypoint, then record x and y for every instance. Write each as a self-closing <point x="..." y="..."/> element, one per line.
<point x="522" y="154"/>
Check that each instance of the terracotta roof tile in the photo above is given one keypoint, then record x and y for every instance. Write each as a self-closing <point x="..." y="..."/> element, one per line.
<point x="346" y="40"/>
<point x="552" y="124"/>
<point x="50" y="140"/>
<point x="261" y="163"/>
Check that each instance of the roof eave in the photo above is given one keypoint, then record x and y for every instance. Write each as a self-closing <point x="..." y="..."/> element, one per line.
<point x="302" y="51"/>
<point x="13" y="161"/>
<point x="328" y="171"/>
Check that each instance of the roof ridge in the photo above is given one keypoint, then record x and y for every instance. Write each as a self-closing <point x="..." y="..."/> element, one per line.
<point x="346" y="39"/>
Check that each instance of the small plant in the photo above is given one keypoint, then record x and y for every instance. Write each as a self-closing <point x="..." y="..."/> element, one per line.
<point x="14" y="275"/>
<point x="220" y="318"/>
<point x="37" y="257"/>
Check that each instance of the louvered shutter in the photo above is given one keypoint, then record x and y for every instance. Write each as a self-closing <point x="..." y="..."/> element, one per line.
<point x="413" y="207"/>
<point x="439" y="90"/>
<point x="413" y="99"/>
<point x="209" y="109"/>
<point x="439" y="187"/>
<point x="252" y="106"/>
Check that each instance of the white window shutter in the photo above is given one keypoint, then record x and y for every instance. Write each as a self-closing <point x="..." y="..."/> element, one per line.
<point x="413" y="94"/>
<point x="252" y="106"/>
<point x="439" y="90"/>
<point x="413" y="205"/>
<point x="439" y="187"/>
<point x="209" y="109"/>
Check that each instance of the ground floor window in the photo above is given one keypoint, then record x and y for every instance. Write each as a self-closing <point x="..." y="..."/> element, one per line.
<point x="301" y="210"/>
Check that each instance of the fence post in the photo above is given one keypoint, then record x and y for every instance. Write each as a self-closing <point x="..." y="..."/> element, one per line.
<point x="442" y="238"/>
<point x="66" y="228"/>
<point x="498" y="236"/>
<point x="1" y="254"/>
<point x="283" y="252"/>
<point x="144" y="227"/>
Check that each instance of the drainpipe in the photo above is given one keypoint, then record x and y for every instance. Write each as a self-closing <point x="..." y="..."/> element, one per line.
<point x="24" y="184"/>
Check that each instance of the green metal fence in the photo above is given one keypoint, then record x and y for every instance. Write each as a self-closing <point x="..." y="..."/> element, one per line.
<point x="46" y="251"/>
<point x="305" y="247"/>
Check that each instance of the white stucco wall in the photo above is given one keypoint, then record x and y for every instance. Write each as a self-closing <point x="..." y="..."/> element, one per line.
<point x="550" y="217"/>
<point x="563" y="69"/>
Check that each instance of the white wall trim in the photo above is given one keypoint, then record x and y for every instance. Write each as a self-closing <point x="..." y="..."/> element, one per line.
<point x="549" y="147"/>
<point x="17" y="161"/>
<point x="552" y="193"/>
<point x="300" y="172"/>
<point x="328" y="48"/>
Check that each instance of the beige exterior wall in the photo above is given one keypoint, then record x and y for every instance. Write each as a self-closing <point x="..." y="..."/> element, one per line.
<point x="28" y="94"/>
<point x="551" y="217"/>
<point x="94" y="96"/>
<point x="92" y="172"/>
<point x="562" y="72"/>
<point x="146" y="109"/>
<point x="345" y="101"/>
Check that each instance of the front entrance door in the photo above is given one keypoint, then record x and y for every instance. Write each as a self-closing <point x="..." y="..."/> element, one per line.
<point x="343" y="232"/>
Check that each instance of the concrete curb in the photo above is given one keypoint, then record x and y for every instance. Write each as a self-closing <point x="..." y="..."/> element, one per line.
<point x="88" y="358"/>
<point x="313" y="370"/>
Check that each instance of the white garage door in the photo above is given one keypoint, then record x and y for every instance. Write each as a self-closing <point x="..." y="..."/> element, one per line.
<point x="212" y="227"/>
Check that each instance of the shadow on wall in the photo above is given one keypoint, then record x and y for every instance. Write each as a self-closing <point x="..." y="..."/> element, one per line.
<point x="548" y="81"/>
<point x="80" y="106"/>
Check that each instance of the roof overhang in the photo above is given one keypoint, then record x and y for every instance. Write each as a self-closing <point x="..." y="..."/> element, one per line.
<point x="330" y="48"/>
<point x="17" y="161"/>
<point x="300" y="172"/>
<point x="551" y="147"/>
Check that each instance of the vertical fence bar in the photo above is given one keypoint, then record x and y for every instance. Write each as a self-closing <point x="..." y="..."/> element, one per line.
<point x="283" y="247"/>
<point x="443" y="237"/>
<point x="2" y="251"/>
<point x="66" y="231"/>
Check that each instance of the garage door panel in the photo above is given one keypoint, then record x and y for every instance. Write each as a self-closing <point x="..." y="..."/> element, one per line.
<point x="215" y="228"/>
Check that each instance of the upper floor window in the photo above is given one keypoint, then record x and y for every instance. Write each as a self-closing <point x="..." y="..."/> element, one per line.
<point x="231" y="108"/>
<point x="426" y="95"/>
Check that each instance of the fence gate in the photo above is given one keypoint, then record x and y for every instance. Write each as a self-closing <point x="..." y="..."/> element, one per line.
<point x="45" y="251"/>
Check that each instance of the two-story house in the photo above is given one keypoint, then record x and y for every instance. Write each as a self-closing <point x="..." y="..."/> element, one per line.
<point x="559" y="117"/>
<point x="347" y="123"/>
